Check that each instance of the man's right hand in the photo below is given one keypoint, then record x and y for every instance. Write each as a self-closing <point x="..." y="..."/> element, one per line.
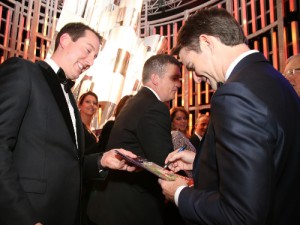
<point x="180" y="160"/>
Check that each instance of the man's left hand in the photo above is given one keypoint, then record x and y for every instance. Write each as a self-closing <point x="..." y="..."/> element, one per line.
<point x="112" y="160"/>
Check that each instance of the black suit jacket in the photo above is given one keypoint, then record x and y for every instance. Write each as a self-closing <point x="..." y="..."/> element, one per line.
<point x="103" y="140"/>
<point x="143" y="127"/>
<point x="194" y="139"/>
<point x="249" y="167"/>
<point x="40" y="162"/>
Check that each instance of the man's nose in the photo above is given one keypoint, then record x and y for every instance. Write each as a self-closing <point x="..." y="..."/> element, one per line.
<point x="90" y="60"/>
<point x="179" y="83"/>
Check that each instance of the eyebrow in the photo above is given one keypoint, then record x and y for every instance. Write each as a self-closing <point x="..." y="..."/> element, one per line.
<point x="96" y="55"/>
<point x="176" y="75"/>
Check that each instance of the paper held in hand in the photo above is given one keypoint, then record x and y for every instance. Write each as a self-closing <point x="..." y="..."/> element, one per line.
<point x="154" y="168"/>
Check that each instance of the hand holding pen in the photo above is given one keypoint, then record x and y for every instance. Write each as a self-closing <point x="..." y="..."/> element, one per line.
<point x="182" y="160"/>
<point x="179" y="150"/>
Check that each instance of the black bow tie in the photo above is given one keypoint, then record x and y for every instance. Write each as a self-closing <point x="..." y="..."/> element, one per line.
<point x="68" y="84"/>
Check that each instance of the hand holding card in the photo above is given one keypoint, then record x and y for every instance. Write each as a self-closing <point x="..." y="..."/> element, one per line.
<point x="154" y="168"/>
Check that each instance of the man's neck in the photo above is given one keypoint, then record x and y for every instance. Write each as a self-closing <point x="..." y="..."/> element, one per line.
<point x="238" y="53"/>
<point x="86" y="120"/>
<point x="198" y="135"/>
<point x="52" y="64"/>
<point x="154" y="92"/>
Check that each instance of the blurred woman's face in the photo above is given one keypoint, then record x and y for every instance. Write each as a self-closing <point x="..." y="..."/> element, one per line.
<point x="180" y="122"/>
<point x="89" y="105"/>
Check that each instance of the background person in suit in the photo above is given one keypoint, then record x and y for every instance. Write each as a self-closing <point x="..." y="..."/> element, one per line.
<point x="88" y="107"/>
<point x="41" y="134"/>
<point x="143" y="127"/>
<point x="249" y="167"/>
<point x="199" y="130"/>
<point x="292" y="72"/>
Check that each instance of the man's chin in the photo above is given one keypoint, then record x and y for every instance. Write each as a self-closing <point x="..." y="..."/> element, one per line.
<point x="75" y="76"/>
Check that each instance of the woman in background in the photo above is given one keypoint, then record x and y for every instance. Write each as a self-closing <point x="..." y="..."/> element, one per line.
<point x="180" y="137"/>
<point x="179" y="130"/>
<point x="88" y="107"/>
<point x="93" y="203"/>
<point x="179" y="120"/>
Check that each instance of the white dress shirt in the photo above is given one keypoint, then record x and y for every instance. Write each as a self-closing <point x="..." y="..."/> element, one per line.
<point x="55" y="68"/>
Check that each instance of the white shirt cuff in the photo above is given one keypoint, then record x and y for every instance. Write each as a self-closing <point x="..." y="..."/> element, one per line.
<point x="177" y="193"/>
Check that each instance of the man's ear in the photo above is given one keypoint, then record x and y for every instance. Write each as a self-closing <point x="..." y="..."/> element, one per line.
<point x="205" y="42"/>
<point x="64" y="40"/>
<point x="154" y="79"/>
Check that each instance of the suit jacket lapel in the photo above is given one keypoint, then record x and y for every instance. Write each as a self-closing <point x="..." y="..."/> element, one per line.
<point x="196" y="163"/>
<point x="59" y="96"/>
<point x="79" y="126"/>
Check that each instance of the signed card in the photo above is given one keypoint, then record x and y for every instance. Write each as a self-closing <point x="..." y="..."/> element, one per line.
<point x="154" y="168"/>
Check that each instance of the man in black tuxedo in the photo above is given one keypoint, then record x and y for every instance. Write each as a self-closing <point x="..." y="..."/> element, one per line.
<point x="200" y="129"/>
<point x="41" y="134"/>
<point x="249" y="166"/>
<point x="143" y="127"/>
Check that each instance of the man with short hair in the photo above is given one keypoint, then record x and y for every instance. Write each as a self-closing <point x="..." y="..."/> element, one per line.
<point x="143" y="127"/>
<point x="41" y="134"/>
<point x="249" y="166"/>
<point x="200" y="129"/>
<point x="292" y="72"/>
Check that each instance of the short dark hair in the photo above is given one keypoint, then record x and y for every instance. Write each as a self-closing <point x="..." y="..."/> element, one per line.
<point x="157" y="64"/>
<point x="215" y="22"/>
<point x="76" y="31"/>
<point x="83" y="96"/>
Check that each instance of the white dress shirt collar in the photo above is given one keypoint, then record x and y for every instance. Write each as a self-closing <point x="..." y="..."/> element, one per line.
<point x="153" y="92"/>
<point x="53" y="64"/>
<point x="236" y="61"/>
<point x="198" y="135"/>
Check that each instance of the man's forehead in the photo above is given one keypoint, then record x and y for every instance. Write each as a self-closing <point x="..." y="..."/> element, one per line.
<point x="294" y="63"/>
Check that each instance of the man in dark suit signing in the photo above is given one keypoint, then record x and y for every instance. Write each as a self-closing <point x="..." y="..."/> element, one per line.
<point x="143" y="127"/>
<point x="41" y="134"/>
<point x="248" y="169"/>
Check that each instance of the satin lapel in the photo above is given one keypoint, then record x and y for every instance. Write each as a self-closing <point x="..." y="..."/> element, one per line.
<point x="79" y="126"/>
<point x="59" y="96"/>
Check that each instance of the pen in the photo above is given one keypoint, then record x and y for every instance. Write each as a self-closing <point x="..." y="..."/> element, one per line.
<point x="179" y="150"/>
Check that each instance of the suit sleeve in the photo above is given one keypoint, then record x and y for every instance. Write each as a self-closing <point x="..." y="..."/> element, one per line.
<point x="243" y="162"/>
<point x="92" y="168"/>
<point x="154" y="133"/>
<point x="15" y="92"/>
